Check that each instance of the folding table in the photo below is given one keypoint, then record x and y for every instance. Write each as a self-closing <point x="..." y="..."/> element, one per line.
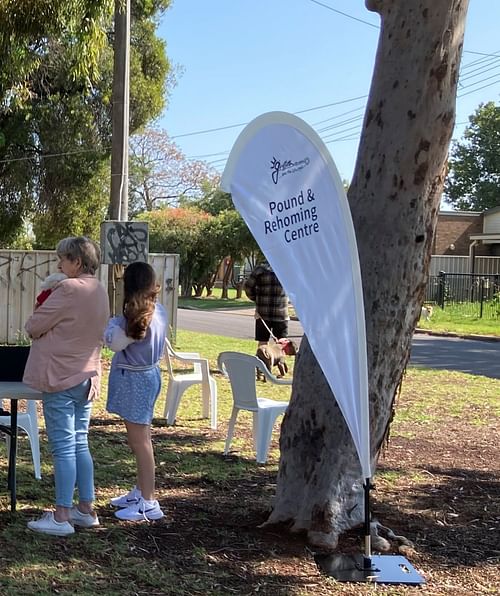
<point x="15" y="390"/>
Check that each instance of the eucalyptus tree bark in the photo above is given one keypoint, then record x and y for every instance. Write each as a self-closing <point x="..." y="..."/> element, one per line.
<point x="394" y="198"/>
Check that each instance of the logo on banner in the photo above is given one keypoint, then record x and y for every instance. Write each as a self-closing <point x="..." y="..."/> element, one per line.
<point x="286" y="167"/>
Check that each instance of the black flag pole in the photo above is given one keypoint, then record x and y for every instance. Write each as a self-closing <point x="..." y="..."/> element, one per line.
<point x="368" y="537"/>
<point x="366" y="567"/>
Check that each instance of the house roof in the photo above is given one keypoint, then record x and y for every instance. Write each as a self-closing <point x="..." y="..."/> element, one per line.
<point x="491" y="211"/>
<point x="460" y="213"/>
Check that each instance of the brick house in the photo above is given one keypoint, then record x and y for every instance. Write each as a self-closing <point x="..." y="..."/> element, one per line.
<point x="467" y="233"/>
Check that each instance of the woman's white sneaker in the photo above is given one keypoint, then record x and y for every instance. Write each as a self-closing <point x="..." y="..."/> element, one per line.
<point x="131" y="498"/>
<point x="141" y="511"/>
<point x="47" y="524"/>
<point x="84" y="520"/>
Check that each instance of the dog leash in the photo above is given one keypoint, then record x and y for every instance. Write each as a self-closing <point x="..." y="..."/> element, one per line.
<point x="266" y="326"/>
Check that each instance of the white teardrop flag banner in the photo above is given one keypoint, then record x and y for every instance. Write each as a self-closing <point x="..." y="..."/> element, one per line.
<point x="286" y="187"/>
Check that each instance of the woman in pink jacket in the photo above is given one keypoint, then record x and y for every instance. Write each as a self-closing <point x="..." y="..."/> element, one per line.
<point x="64" y="364"/>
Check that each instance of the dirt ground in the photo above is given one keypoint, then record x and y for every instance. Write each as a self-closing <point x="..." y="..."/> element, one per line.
<point x="448" y="509"/>
<point x="439" y="489"/>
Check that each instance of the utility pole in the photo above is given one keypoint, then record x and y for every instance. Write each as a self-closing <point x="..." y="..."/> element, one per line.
<point x="118" y="208"/>
<point x="119" y="145"/>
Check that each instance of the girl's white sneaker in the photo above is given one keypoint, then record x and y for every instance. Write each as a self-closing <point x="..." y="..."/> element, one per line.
<point x="131" y="498"/>
<point x="141" y="511"/>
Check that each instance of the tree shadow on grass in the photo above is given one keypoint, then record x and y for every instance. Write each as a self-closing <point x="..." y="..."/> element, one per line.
<point x="209" y="539"/>
<point x="452" y="516"/>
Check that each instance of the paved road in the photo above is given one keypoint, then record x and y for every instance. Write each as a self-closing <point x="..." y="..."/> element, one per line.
<point x="449" y="353"/>
<point x="229" y="323"/>
<point x="452" y="353"/>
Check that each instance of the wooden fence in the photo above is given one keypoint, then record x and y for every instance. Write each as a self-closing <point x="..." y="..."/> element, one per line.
<point x="21" y="273"/>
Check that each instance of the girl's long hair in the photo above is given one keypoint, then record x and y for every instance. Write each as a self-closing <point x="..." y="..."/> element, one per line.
<point x="141" y="291"/>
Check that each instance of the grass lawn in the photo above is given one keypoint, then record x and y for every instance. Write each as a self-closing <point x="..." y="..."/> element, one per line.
<point x="215" y="301"/>
<point x="435" y="484"/>
<point x="457" y="320"/>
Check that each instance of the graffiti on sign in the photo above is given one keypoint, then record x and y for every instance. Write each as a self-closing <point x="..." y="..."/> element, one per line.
<point x="124" y="242"/>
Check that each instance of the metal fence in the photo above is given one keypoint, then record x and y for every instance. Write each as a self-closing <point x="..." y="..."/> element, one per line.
<point x="473" y="294"/>
<point x="463" y="264"/>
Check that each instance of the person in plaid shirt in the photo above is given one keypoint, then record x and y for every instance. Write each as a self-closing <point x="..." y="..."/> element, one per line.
<point x="271" y="303"/>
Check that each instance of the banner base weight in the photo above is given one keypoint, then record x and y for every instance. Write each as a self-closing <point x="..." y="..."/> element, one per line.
<point x="378" y="569"/>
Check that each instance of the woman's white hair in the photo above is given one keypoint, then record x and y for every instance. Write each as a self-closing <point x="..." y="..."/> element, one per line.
<point x="80" y="247"/>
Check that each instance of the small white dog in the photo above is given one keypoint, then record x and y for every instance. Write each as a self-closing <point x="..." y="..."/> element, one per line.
<point x="47" y="286"/>
<point x="426" y="312"/>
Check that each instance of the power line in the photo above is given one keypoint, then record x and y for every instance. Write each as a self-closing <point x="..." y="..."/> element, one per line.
<point x="338" y="116"/>
<point x="209" y="155"/>
<point x="470" y="85"/>
<point x="344" y="14"/>
<point x="478" y="89"/>
<point x="357" y="128"/>
<point x="479" y="82"/>
<point x="479" y="71"/>
<point x="208" y="130"/>
<point x="44" y="156"/>
<point x="347" y="121"/>
<point x="341" y="123"/>
<point x="479" y="53"/>
<point x="333" y="137"/>
<point x="202" y="132"/>
<point x="215" y="161"/>
<point x="349" y="16"/>
<point x="329" y="105"/>
<point x="328" y="138"/>
<point x="348" y="138"/>
<point x="490" y="58"/>
<point x="485" y="57"/>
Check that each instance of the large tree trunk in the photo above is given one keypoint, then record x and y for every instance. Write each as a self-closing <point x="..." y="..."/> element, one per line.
<point x="394" y="199"/>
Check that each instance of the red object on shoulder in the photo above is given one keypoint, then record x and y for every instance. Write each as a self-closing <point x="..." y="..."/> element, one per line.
<point x="44" y="294"/>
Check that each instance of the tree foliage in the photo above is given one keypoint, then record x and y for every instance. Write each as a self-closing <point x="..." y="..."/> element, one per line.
<point x="235" y="241"/>
<point x="55" y="102"/>
<point x="26" y="28"/>
<point x="185" y="231"/>
<point x="203" y="233"/>
<point x="161" y="175"/>
<point x="215" y="201"/>
<point x="29" y="33"/>
<point x="473" y="182"/>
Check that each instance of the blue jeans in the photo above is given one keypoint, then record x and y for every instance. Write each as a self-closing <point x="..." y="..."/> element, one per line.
<point x="67" y="417"/>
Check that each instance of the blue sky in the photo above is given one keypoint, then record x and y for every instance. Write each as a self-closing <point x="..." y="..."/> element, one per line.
<point x="241" y="58"/>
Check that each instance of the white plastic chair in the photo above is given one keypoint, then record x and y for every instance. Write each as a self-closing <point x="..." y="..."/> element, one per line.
<point x="28" y="421"/>
<point x="240" y="369"/>
<point x="178" y="383"/>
